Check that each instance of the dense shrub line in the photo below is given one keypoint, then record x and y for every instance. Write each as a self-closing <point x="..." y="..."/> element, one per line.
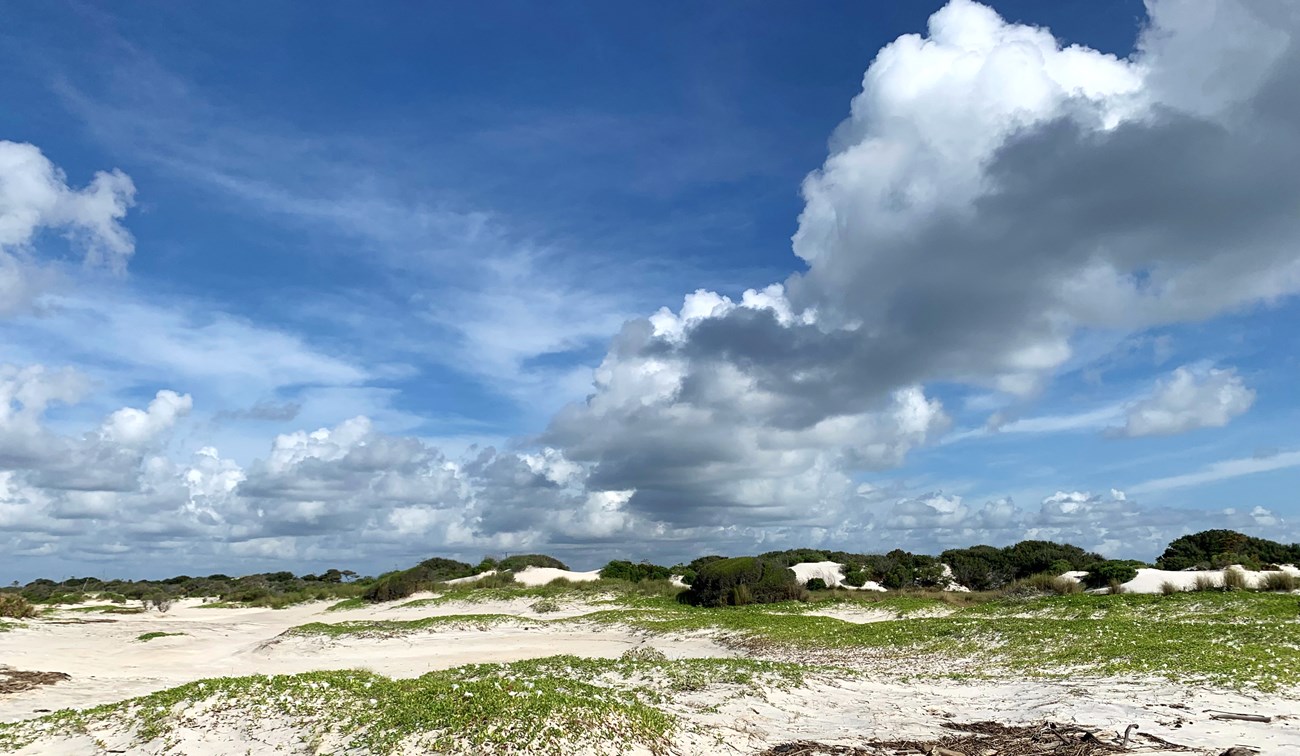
<point x="1025" y="567"/>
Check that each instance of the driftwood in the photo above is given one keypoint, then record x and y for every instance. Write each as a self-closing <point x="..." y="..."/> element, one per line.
<point x="1241" y="717"/>
<point x="977" y="739"/>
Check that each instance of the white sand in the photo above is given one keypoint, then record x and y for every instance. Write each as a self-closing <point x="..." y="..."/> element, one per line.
<point x="107" y="662"/>
<point x="470" y="579"/>
<point x="1152" y="580"/>
<point x="534" y="576"/>
<point x="832" y="573"/>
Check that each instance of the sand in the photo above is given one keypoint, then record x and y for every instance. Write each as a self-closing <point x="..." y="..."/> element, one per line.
<point x="1153" y="581"/>
<point x="534" y="576"/>
<point x="106" y="663"/>
<point x="832" y="573"/>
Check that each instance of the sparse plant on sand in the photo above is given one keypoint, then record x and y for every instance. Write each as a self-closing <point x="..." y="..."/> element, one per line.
<point x="1169" y="588"/>
<point x="1205" y="582"/>
<point x="1235" y="580"/>
<point x="545" y="606"/>
<point x="1278" y="581"/>
<point x="146" y="637"/>
<point x="1114" y="587"/>
<point x="161" y="601"/>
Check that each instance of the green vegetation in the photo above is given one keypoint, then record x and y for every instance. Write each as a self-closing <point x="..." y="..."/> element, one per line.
<point x="146" y="637"/>
<point x="1278" y="581"/>
<point x="1216" y="549"/>
<point x="271" y="589"/>
<point x="1111" y="572"/>
<point x="397" y="585"/>
<point x="522" y="561"/>
<point x="634" y="573"/>
<point x="16" y="606"/>
<point x="984" y="568"/>
<point x="106" y="609"/>
<point x="743" y="580"/>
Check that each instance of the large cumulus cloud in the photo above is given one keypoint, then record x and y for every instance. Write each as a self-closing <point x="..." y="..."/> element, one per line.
<point x="991" y="196"/>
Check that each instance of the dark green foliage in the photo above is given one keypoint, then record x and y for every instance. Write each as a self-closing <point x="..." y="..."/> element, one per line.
<point x="698" y="563"/>
<point x="984" y="568"/>
<point x="791" y="557"/>
<point x="517" y="563"/>
<point x="396" y="585"/>
<point x="815" y="584"/>
<point x="855" y="578"/>
<point x="1104" y="573"/>
<point x="634" y="573"/>
<point x="743" y="580"/>
<point x="1213" y="549"/>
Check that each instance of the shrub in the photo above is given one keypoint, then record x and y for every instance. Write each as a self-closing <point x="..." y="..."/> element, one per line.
<point x="744" y="580"/>
<point x="161" y="601"/>
<point x="15" y="606"/>
<point x="1210" y="548"/>
<point x="1060" y="567"/>
<point x="398" y="585"/>
<point x="1169" y="588"/>
<point x="1235" y="580"/>
<point x="791" y="557"/>
<point x="1102" y="574"/>
<point x="1114" y="587"/>
<point x="1205" y="582"/>
<point x="855" y="578"/>
<point x="1278" y="581"/>
<point x="815" y="584"/>
<point x="634" y="573"/>
<point x="516" y="563"/>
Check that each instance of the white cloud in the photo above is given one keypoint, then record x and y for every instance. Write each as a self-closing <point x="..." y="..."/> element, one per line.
<point x="132" y="427"/>
<point x="1223" y="470"/>
<point x="34" y="196"/>
<point x="1189" y="398"/>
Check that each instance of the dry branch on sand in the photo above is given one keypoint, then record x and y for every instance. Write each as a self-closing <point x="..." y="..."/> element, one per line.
<point x="17" y="680"/>
<point x="978" y="738"/>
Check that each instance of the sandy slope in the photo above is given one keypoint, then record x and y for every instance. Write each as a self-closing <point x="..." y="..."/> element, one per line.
<point x="107" y="663"/>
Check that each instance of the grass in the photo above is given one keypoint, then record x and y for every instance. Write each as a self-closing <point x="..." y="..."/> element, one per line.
<point x="558" y="704"/>
<point x="356" y="602"/>
<point x="145" y="637"/>
<point x="1279" y="581"/>
<point x="106" y="609"/>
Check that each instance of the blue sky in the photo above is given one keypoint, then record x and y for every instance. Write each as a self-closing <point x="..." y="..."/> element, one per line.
<point x="402" y="274"/>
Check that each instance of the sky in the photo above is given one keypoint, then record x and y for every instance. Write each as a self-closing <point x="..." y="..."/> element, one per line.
<point x="290" y="286"/>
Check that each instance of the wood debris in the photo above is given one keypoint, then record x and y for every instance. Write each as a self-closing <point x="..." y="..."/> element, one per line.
<point x="982" y="739"/>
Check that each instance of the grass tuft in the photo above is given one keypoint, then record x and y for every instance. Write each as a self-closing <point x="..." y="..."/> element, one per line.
<point x="146" y="637"/>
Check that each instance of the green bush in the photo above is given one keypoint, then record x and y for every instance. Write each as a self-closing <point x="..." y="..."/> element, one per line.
<point x="744" y="580"/>
<point x="855" y="578"/>
<point x="398" y="585"/>
<point x="517" y="563"/>
<point x="815" y="584"/>
<point x="1102" y="574"/>
<point x="1043" y="583"/>
<point x="1220" y="548"/>
<point x="634" y="573"/>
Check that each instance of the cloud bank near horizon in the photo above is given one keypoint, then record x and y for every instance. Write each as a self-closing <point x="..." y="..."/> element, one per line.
<point x="992" y="197"/>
